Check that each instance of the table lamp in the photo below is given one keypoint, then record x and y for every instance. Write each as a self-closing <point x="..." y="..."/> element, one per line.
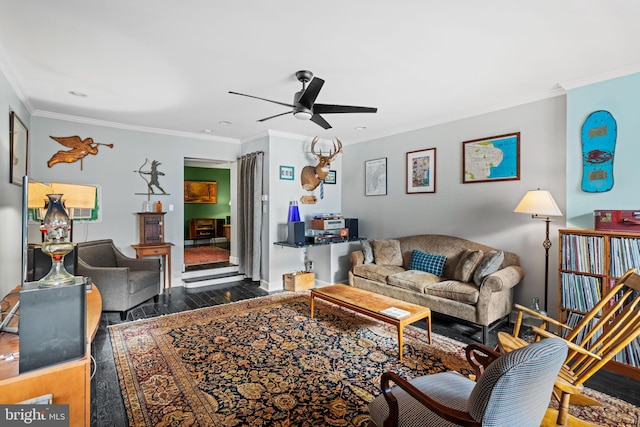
<point x="56" y="223"/>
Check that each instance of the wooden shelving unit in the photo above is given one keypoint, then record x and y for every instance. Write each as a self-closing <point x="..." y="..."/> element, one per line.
<point x="589" y="262"/>
<point x="206" y="228"/>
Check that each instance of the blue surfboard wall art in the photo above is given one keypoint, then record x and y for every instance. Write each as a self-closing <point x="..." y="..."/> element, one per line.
<point x="598" y="137"/>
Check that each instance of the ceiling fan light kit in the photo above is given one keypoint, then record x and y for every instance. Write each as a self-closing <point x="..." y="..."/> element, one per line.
<point x="304" y="106"/>
<point x="302" y="115"/>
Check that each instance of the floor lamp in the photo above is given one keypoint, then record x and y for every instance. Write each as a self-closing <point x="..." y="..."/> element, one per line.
<point x="540" y="204"/>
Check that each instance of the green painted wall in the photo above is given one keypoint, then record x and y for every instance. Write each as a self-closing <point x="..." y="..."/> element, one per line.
<point x="208" y="210"/>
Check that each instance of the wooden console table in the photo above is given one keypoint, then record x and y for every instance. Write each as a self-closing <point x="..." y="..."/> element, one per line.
<point x="68" y="382"/>
<point x="162" y="249"/>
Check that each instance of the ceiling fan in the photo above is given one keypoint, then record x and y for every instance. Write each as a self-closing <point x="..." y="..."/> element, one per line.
<point x="304" y="106"/>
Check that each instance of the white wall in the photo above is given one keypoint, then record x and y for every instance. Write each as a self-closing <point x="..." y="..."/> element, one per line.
<point x="116" y="170"/>
<point x="481" y="212"/>
<point x="293" y="150"/>
<point x="10" y="194"/>
<point x="620" y="97"/>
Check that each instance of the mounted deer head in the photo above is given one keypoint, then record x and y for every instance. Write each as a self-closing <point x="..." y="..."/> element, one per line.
<point x="312" y="175"/>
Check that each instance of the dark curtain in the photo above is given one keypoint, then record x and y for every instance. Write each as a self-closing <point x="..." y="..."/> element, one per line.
<point x="250" y="214"/>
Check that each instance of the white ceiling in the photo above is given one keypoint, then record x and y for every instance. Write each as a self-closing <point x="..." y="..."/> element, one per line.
<point x="169" y="65"/>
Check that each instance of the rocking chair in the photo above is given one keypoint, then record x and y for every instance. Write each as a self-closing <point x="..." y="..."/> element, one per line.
<point x="612" y="324"/>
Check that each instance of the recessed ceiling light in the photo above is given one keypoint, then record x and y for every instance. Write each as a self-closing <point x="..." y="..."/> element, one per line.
<point x="361" y="127"/>
<point x="224" y="122"/>
<point x="77" y="93"/>
<point x="207" y="130"/>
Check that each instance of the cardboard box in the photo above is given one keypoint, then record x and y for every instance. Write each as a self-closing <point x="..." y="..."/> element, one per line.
<point x="299" y="281"/>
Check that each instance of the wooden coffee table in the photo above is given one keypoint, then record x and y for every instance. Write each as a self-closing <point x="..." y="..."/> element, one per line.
<point x="371" y="304"/>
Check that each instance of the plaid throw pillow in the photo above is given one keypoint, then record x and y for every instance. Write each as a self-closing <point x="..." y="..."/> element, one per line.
<point x="422" y="261"/>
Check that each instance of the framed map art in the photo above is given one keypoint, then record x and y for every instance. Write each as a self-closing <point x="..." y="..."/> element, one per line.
<point x="375" y="177"/>
<point x="421" y="171"/>
<point x="496" y="158"/>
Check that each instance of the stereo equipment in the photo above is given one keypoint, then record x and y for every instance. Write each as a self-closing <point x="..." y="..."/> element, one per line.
<point x="296" y="233"/>
<point x="352" y="225"/>
<point x="39" y="263"/>
<point x="327" y="224"/>
<point x="52" y="326"/>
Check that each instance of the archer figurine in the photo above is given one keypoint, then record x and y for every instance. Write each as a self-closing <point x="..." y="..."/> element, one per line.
<point x="153" y="176"/>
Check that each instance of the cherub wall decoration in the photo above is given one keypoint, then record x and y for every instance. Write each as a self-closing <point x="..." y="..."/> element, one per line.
<point x="80" y="148"/>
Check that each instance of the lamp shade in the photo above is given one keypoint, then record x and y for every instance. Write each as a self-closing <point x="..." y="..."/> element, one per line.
<point x="37" y="194"/>
<point x="538" y="202"/>
<point x="76" y="195"/>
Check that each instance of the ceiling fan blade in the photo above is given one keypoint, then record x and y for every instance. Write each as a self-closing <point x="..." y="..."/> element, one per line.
<point x="273" y="117"/>
<point x="330" y="109"/>
<point x="309" y="96"/>
<point x="264" y="99"/>
<point x="317" y="119"/>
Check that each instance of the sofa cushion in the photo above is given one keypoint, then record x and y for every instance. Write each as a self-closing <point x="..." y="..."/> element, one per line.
<point x="490" y="264"/>
<point x="427" y="262"/>
<point x="378" y="273"/>
<point x="367" y="251"/>
<point x="413" y="280"/>
<point x="469" y="261"/>
<point x="387" y="252"/>
<point x="454" y="290"/>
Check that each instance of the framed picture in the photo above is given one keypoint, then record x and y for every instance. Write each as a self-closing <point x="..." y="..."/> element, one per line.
<point x="496" y="158"/>
<point x="375" y="177"/>
<point x="18" y="149"/>
<point x="421" y="171"/>
<point x="331" y="178"/>
<point x="287" y="172"/>
<point x="200" y="192"/>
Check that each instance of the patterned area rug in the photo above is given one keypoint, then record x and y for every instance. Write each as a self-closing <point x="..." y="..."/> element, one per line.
<point x="264" y="362"/>
<point x="205" y="255"/>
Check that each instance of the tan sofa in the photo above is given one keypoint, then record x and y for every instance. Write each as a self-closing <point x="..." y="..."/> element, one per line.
<point x="483" y="304"/>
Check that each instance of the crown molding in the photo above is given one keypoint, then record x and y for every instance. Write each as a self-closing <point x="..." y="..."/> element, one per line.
<point x="466" y="114"/>
<point x="597" y="78"/>
<point x="115" y="125"/>
<point x="5" y="69"/>
<point x="269" y="133"/>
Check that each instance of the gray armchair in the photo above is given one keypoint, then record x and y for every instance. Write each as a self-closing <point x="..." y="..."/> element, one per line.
<point x="123" y="282"/>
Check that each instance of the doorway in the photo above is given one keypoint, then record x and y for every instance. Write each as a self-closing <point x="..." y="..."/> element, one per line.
<point x="207" y="223"/>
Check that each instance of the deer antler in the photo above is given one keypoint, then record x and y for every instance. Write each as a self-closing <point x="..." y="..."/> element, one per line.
<point x="313" y="148"/>
<point x="338" y="149"/>
<point x="332" y="153"/>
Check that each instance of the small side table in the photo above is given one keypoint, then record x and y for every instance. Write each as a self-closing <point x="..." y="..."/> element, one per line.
<point x="153" y="249"/>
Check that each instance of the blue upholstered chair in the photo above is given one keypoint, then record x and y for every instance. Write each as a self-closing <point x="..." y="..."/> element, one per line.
<point x="514" y="390"/>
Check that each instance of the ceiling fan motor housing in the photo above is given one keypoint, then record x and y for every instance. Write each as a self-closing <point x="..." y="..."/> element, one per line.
<point x="300" y="111"/>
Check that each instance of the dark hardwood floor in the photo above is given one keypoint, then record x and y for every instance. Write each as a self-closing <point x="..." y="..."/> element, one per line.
<point x="107" y="407"/>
